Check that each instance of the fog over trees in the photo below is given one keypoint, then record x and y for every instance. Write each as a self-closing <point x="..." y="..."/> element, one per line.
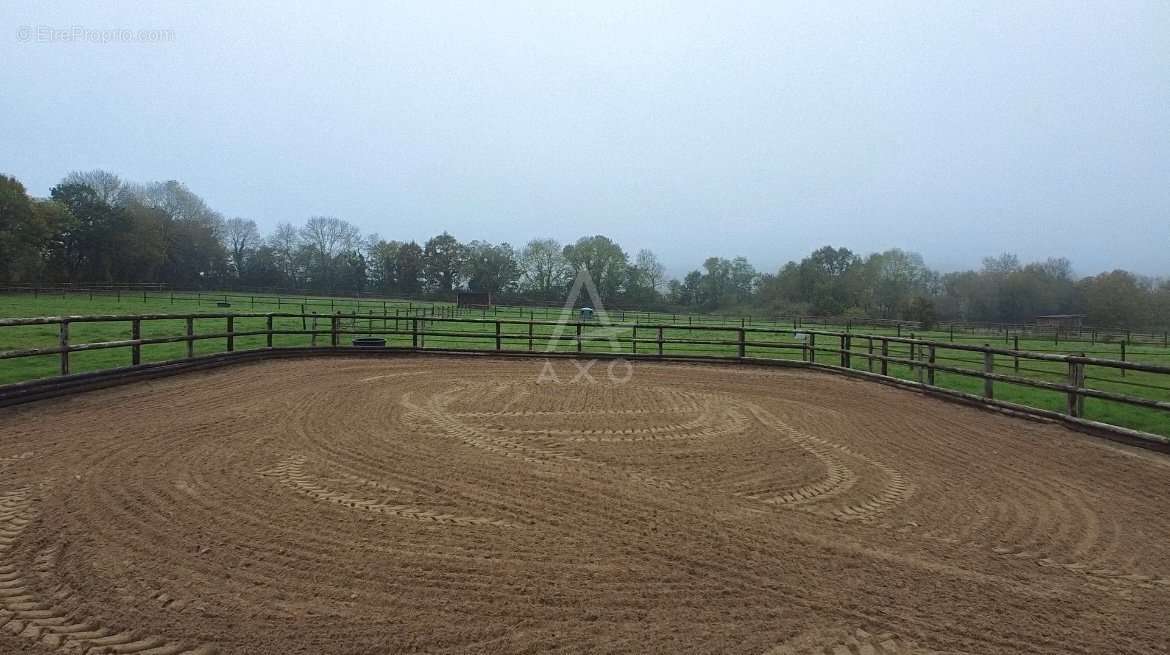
<point x="97" y="228"/>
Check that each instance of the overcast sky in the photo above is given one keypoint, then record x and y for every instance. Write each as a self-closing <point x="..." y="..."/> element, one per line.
<point x="957" y="130"/>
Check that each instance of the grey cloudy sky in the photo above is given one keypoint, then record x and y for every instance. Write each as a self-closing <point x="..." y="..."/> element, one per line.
<point x="956" y="129"/>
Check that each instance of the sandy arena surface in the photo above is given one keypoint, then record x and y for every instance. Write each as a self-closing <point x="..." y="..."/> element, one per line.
<point x="465" y="505"/>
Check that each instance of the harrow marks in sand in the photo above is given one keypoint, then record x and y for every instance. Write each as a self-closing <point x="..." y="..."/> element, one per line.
<point x="839" y="477"/>
<point x="290" y="471"/>
<point x="451" y="505"/>
<point x="47" y="620"/>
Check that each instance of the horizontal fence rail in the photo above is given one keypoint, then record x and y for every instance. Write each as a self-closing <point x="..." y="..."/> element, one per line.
<point x="306" y="300"/>
<point x="910" y="360"/>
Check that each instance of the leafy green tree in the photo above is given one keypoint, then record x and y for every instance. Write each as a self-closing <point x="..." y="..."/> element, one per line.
<point x="351" y="270"/>
<point x="54" y="221"/>
<point x="1115" y="299"/>
<point x="826" y="280"/>
<point x="92" y="243"/>
<point x="490" y="268"/>
<point x="408" y="268"/>
<point x="443" y="262"/>
<point x="142" y="247"/>
<point x="545" y="270"/>
<point x="921" y="309"/>
<point x="781" y="293"/>
<point x="604" y="260"/>
<point x="890" y="280"/>
<point x="194" y="252"/>
<point x="263" y="269"/>
<point x="26" y="230"/>
<point x="689" y="291"/>
<point x="381" y="262"/>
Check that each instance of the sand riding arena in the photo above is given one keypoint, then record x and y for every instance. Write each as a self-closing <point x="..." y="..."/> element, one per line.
<point x="490" y="505"/>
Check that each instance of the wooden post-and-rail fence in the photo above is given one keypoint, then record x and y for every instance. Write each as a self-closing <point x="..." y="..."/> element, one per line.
<point x="923" y="358"/>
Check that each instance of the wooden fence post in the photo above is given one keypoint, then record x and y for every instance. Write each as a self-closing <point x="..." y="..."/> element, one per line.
<point x="634" y="338"/>
<point x="497" y="336"/>
<point x="530" y="335"/>
<point x="988" y="367"/>
<point x="848" y="351"/>
<point x="812" y="348"/>
<point x="742" y="344"/>
<point x="885" y="354"/>
<point x="268" y="327"/>
<point x="136" y="349"/>
<point x="930" y="365"/>
<point x="660" y="341"/>
<point x="870" y="358"/>
<point x="1123" y="355"/>
<point x="1076" y="378"/>
<point x="578" y="337"/>
<point x="63" y="342"/>
<point x="414" y="332"/>
<point x="1016" y="357"/>
<point x="190" y="337"/>
<point x="231" y="333"/>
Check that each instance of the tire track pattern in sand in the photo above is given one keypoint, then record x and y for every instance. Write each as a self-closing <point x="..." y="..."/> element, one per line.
<point x="1024" y="554"/>
<point x="27" y="615"/>
<point x="839" y="479"/>
<point x="291" y="472"/>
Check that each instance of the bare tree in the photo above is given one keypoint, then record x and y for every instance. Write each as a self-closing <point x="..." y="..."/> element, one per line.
<point x="182" y="204"/>
<point x="285" y="241"/>
<point x="240" y="236"/>
<point x="327" y="238"/>
<point x="652" y="272"/>
<point x="330" y="236"/>
<point x="544" y="266"/>
<point x="108" y="187"/>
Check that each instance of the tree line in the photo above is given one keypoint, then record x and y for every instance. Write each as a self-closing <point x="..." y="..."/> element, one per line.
<point x="96" y="227"/>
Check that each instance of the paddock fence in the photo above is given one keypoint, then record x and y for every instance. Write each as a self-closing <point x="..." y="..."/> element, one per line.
<point x="1131" y="398"/>
<point x="304" y="300"/>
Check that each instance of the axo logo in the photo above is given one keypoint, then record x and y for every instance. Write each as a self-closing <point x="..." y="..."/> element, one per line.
<point x="601" y="329"/>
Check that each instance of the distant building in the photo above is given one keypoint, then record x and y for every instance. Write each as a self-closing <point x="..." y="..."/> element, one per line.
<point x="1061" y="321"/>
<point x="475" y="300"/>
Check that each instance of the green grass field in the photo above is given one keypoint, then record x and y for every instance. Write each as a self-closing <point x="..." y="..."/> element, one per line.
<point x="472" y="333"/>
